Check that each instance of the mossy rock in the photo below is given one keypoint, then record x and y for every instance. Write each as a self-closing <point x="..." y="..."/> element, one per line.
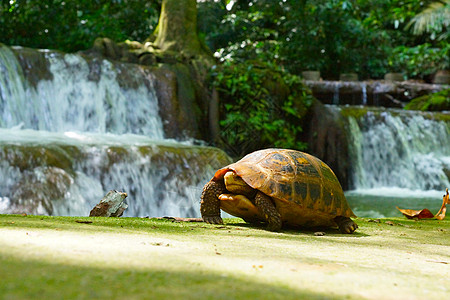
<point x="26" y="157"/>
<point x="434" y="102"/>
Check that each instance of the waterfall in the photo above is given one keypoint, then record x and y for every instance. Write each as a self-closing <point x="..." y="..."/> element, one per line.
<point x="72" y="128"/>
<point x="398" y="158"/>
<point x="68" y="173"/>
<point x="400" y="149"/>
<point x="336" y="94"/>
<point x="80" y="95"/>
<point x="364" y="93"/>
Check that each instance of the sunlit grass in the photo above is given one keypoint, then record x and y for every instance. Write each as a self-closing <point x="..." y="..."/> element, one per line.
<point x="72" y="258"/>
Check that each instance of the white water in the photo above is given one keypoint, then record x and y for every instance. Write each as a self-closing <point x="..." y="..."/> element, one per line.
<point x="404" y="151"/>
<point x="158" y="183"/>
<point x="364" y="93"/>
<point x="74" y="101"/>
<point x="97" y="127"/>
<point x="337" y="87"/>
<point x="399" y="157"/>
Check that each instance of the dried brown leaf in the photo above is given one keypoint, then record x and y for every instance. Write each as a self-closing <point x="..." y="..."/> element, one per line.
<point x="416" y="214"/>
<point x="425" y="213"/>
<point x="441" y="213"/>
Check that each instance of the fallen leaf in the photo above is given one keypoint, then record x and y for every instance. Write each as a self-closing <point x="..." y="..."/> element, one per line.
<point x="425" y="213"/>
<point x="441" y="213"/>
<point x="438" y="261"/>
<point x="416" y="214"/>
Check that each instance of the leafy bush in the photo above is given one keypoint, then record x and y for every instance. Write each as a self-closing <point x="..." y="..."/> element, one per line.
<point x="298" y="35"/>
<point x="420" y="60"/>
<point x="333" y="36"/>
<point x="72" y="25"/>
<point x="261" y="107"/>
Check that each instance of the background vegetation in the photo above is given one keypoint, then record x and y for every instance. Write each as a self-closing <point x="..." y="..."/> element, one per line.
<point x="333" y="36"/>
<point x="72" y="25"/>
<point x="370" y="37"/>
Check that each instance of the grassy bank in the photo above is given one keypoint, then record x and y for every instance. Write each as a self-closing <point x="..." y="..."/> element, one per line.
<point x="62" y="257"/>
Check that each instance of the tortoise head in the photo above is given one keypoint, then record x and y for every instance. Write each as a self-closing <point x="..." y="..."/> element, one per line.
<point x="237" y="185"/>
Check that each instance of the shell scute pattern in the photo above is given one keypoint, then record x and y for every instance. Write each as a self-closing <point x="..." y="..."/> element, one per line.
<point x="293" y="177"/>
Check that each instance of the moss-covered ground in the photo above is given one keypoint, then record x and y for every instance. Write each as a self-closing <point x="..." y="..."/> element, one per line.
<point x="132" y="258"/>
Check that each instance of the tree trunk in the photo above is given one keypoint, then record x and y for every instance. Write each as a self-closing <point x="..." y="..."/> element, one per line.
<point x="176" y="43"/>
<point x="177" y="29"/>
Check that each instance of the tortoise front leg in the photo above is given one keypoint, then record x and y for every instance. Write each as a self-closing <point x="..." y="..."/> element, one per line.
<point x="269" y="211"/>
<point x="346" y="225"/>
<point x="210" y="204"/>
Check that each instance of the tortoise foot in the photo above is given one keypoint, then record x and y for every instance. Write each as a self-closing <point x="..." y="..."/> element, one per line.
<point x="274" y="225"/>
<point x="210" y="204"/>
<point x="269" y="211"/>
<point x="213" y="220"/>
<point x="346" y="225"/>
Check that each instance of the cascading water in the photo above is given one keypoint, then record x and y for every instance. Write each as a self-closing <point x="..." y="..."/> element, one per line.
<point x="399" y="154"/>
<point x="74" y="128"/>
<point x="364" y="93"/>
<point x="395" y="151"/>
<point x="80" y="96"/>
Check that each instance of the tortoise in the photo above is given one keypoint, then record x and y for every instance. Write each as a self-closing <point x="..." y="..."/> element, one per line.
<point x="281" y="187"/>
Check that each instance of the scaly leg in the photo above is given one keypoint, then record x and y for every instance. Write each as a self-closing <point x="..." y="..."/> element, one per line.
<point x="346" y="225"/>
<point x="210" y="204"/>
<point x="269" y="211"/>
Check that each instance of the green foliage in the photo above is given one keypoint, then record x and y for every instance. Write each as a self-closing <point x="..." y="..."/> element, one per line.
<point x="434" y="20"/>
<point x="434" y="102"/>
<point x="333" y="36"/>
<point x="420" y="60"/>
<point x="72" y="25"/>
<point x="298" y="35"/>
<point x="262" y="106"/>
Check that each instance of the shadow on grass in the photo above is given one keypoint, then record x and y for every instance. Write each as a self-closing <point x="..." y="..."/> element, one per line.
<point x="146" y="225"/>
<point x="293" y="231"/>
<point x="40" y="280"/>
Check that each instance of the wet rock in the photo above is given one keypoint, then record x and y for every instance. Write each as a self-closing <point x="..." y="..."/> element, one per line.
<point x="327" y="139"/>
<point x="374" y="92"/>
<point x="112" y="205"/>
<point x="39" y="189"/>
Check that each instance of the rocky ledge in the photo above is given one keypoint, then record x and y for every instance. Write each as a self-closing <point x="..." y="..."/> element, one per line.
<point x="373" y="92"/>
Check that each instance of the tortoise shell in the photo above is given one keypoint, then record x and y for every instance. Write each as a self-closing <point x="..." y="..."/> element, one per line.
<point x="304" y="189"/>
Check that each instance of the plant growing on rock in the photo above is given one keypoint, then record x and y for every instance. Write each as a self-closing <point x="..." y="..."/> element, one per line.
<point x="434" y="102"/>
<point x="261" y="106"/>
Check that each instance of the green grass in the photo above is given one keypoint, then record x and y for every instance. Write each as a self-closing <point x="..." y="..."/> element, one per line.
<point x="58" y="257"/>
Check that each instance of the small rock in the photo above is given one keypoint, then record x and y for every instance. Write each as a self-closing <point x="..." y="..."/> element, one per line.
<point x="112" y="205"/>
<point x="374" y="220"/>
<point x="319" y="233"/>
<point x="390" y="223"/>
